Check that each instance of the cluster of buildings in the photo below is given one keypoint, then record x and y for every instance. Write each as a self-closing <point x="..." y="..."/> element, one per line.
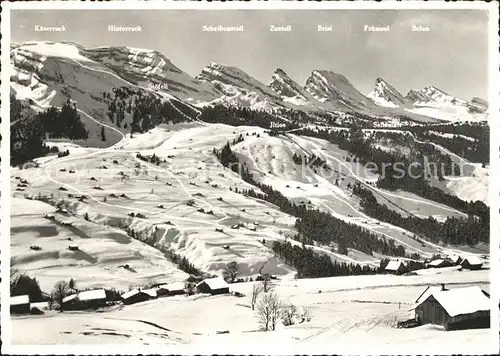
<point x="211" y="286"/>
<point x="98" y="298"/>
<point x="399" y="267"/>
<point x="91" y="299"/>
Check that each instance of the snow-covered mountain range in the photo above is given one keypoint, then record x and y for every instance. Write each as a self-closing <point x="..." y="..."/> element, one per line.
<point x="50" y="72"/>
<point x="428" y="101"/>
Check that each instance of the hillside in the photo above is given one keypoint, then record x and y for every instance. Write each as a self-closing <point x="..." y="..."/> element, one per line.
<point x="162" y="192"/>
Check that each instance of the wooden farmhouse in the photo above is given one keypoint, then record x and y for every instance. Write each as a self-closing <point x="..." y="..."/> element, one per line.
<point x="458" y="308"/>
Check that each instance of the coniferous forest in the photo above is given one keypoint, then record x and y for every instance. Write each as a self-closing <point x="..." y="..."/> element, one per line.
<point x="238" y="116"/>
<point x="139" y="111"/>
<point x="469" y="140"/>
<point x="28" y="133"/>
<point x="314" y="265"/>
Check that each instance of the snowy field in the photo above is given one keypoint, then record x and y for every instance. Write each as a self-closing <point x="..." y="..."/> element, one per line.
<point x="189" y="204"/>
<point x="344" y="310"/>
<point x="188" y="172"/>
<point x="102" y="251"/>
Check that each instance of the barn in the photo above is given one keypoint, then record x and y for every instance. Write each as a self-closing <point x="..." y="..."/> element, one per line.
<point x="395" y="267"/>
<point x="472" y="263"/>
<point x="20" y="304"/>
<point x="135" y="296"/>
<point x="439" y="263"/>
<point x="458" y="308"/>
<point x="213" y="286"/>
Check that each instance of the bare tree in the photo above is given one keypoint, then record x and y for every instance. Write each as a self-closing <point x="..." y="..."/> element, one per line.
<point x="60" y="291"/>
<point x="269" y="311"/>
<point x="231" y="271"/>
<point x="256" y="290"/>
<point x="288" y="314"/>
<point x="266" y="282"/>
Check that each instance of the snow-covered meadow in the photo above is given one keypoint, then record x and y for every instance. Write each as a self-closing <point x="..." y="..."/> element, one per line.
<point x="344" y="310"/>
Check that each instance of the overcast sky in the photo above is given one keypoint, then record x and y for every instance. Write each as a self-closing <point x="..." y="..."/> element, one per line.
<point x="451" y="56"/>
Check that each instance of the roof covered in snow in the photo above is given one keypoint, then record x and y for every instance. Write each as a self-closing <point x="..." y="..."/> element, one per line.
<point x="473" y="260"/>
<point x="436" y="262"/>
<point x="69" y="298"/>
<point x="20" y="300"/>
<point x="130" y="293"/>
<point x="151" y="292"/>
<point x="215" y="283"/>
<point x="92" y="294"/>
<point x="454" y="258"/>
<point x="174" y="286"/>
<point x="459" y="301"/>
<point x="394" y="265"/>
<point x="427" y="293"/>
